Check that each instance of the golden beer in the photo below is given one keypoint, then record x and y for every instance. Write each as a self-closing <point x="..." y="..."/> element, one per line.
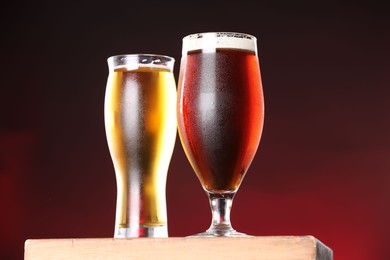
<point x="140" y="121"/>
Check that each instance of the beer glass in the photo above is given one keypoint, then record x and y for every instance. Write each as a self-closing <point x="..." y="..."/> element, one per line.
<point x="140" y="123"/>
<point x="220" y="113"/>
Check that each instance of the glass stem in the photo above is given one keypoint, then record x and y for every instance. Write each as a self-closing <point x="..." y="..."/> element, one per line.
<point x="221" y="205"/>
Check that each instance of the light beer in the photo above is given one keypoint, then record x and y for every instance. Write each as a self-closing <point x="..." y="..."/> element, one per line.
<point x="140" y="121"/>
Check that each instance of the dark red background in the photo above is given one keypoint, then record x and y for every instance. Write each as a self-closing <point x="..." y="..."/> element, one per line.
<point x="323" y="166"/>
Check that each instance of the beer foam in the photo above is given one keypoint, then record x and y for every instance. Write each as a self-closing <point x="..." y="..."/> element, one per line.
<point x="210" y="41"/>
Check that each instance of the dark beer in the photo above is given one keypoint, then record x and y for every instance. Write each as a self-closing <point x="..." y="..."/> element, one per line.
<point x="220" y="114"/>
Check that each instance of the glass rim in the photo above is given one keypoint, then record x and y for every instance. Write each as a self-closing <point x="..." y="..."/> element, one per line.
<point x="217" y="34"/>
<point x="140" y="55"/>
<point x="137" y="60"/>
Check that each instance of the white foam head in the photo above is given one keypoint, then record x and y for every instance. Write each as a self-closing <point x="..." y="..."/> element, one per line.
<point x="209" y="41"/>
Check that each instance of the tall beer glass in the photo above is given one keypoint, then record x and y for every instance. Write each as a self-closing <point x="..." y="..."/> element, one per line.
<point x="140" y="122"/>
<point x="220" y="113"/>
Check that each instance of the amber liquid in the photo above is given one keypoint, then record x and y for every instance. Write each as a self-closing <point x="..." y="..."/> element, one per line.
<point x="140" y="120"/>
<point x="220" y="115"/>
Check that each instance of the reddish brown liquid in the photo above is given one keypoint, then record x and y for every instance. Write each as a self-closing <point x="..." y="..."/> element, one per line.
<point x="220" y="115"/>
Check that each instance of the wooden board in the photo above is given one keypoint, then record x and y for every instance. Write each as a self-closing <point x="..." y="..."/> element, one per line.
<point x="261" y="247"/>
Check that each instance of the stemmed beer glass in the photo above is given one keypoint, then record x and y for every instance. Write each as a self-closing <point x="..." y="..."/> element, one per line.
<point x="220" y="115"/>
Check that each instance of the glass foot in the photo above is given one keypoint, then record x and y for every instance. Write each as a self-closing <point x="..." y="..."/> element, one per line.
<point x="220" y="232"/>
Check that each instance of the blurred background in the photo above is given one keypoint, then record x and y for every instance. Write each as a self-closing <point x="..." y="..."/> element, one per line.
<point x="323" y="165"/>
